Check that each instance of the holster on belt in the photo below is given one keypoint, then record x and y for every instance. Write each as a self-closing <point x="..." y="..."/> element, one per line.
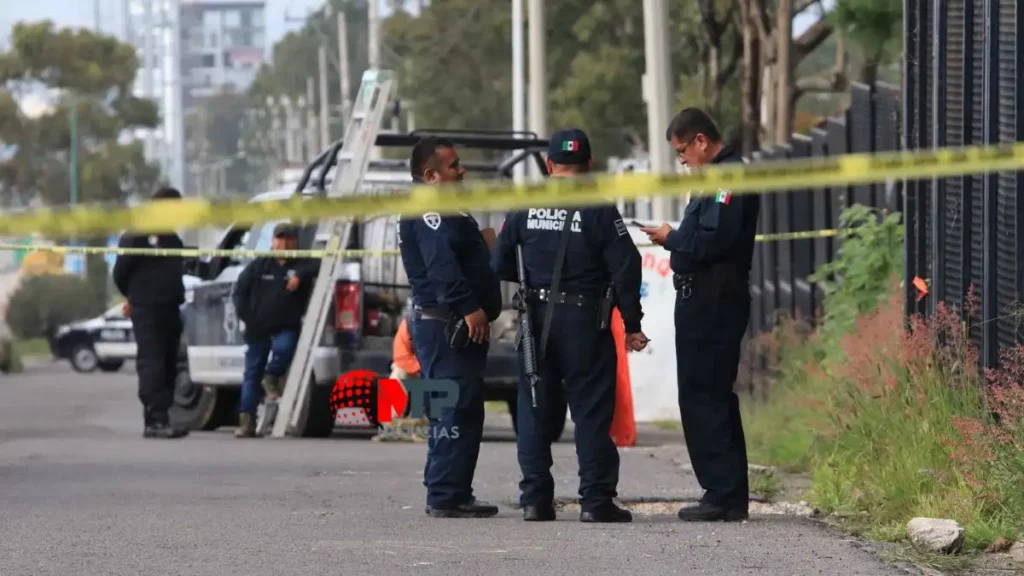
<point x="456" y="331"/>
<point x="604" y="310"/>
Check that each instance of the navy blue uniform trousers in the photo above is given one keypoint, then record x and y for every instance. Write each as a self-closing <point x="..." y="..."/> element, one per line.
<point x="709" y="331"/>
<point x="157" y="331"/>
<point x="454" y="443"/>
<point x="584" y="358"/>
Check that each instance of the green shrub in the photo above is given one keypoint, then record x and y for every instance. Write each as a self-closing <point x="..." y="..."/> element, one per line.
<point x="42" y="303"/>
<point x="894" y="422"/>
<point x="869" y="258"/>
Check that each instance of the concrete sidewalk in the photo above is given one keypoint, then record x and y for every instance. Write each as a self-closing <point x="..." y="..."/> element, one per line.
<point x="83" y="493"/>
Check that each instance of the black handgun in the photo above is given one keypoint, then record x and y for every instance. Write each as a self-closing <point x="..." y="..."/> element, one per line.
<point x="525" y="337"/>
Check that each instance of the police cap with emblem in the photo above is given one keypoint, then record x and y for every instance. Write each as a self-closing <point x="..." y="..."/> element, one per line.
<point x="569" y="147"/>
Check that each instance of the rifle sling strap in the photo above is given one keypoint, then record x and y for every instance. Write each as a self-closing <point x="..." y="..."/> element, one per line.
<point x="556" y="278"/>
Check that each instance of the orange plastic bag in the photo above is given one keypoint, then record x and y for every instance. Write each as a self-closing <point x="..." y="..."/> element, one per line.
<point x="623" y="431"/>
<point x="402" y="355"/>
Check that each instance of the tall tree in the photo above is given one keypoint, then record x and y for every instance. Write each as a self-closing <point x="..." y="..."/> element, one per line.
<point x="92" y="74"/>
<point x="874" y="29"/>
<point x="771" y="72"/>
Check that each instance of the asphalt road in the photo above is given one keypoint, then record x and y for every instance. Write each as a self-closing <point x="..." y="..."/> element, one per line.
<point x="81" y="492"/>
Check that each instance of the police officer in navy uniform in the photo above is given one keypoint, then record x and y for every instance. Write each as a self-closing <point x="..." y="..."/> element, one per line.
<point x="154" y="289"/>
<point x="581" y="349"/>
<point x="711" y="254"/>
<point x="448" y="265"/>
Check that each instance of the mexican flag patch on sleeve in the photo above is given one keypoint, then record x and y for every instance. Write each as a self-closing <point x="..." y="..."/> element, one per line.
<point x="723" y="197"/>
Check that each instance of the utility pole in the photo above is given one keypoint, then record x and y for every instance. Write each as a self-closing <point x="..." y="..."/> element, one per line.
<point x="289" y="132"/>
<point x="311" y="131"/>
<point x="73" y="160"/>
<point x="96" y="14"/>
<point x="325" y="115"/>
<point x="518" y="88"/>
<point x="538" y="74"/>
<point x="658" y="90"/>
<point x="343" y="72"/>
<point x="374" y="33"/>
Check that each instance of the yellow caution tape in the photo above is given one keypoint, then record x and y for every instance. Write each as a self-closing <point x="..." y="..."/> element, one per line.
<point x="244" y="253"/>
<point x="852" y="169"/>
<point x="197" y="252"/>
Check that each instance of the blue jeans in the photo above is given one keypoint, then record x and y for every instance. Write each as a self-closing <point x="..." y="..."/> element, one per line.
<point x="281" y="348"/>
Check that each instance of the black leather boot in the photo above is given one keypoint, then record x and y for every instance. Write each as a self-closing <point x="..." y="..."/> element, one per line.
<point x="538" y="513"/>
<point x="607" y="513"/>
<point x="472" y="509"/>
<point x="705" y="512"/>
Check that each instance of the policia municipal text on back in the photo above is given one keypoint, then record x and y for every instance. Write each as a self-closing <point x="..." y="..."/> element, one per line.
<point x="578" y="262"/>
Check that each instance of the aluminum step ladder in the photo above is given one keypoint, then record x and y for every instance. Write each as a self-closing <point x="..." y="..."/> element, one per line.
<point x="374" y="98"/>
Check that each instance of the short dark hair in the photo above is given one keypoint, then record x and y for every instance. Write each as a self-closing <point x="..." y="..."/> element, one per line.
<point x="690" y="122"/>
<point x="423" y="152"/>
<point x="167" y="193"/>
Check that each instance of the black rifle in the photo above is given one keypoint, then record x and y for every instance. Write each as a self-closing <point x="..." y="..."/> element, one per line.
<point x="525" y="337"/>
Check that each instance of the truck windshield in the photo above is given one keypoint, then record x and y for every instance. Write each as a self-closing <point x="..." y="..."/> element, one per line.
<point x="259" y="237"/>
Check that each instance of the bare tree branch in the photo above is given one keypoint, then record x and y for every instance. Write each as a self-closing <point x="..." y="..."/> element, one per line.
<point x="836" y="81"/>
<point x="811" y="39"/>
<point x="802" y="5"/>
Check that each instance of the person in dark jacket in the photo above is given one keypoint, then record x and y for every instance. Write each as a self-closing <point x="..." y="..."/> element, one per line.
<point x="270" y="297"/>
<point x="154" y="290"/>
<point x="710" y="255"/>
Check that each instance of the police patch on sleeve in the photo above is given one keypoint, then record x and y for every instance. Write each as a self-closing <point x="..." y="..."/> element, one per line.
<point x="620" y="227"/>
<point x="433" y="220"/>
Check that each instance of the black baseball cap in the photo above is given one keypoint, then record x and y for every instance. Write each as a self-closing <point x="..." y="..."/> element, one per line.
<point x="286" y="230"/>
<point x="569" y="147"/>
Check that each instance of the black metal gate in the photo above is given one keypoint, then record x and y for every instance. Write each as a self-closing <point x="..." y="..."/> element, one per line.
<point x="962" y="86"/>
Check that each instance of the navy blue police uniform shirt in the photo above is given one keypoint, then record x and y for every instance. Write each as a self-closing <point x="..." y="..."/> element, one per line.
<point x="715" y="229"/>
<point x="448" y="264"/>
<point x="600" y="252"/>
<point x="150" y="280"/>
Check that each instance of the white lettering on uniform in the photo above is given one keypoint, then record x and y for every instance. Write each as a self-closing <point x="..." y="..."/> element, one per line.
<point x="551" y="219"/>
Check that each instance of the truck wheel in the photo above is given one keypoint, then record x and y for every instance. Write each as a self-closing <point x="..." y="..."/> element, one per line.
<point x="225" y="412"/>
<point x="320" y="418"/>
<point x="83" y="358"/>
<point x="194" y="405"/>
<point x="111" y="365"/>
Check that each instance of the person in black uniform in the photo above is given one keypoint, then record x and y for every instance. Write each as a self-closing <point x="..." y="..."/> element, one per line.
<point x="711" y="253"/>
<point x="580" y="350"/>
<point x="448" y="264"/>
<point x="271" y="297"/>
<point x="154" y="289"/>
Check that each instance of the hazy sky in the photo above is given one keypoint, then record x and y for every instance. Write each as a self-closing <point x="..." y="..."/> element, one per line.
<point x="81" y="13"/>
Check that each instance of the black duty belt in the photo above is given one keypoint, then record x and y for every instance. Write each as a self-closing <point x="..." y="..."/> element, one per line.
<point x="683" y="283"/>
<point x="545" y="295"/>
<point x="434" y="313"/>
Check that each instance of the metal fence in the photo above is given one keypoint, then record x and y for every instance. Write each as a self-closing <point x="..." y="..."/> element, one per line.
<point x="780" y="270"/>
<point x="962" y="86"/>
